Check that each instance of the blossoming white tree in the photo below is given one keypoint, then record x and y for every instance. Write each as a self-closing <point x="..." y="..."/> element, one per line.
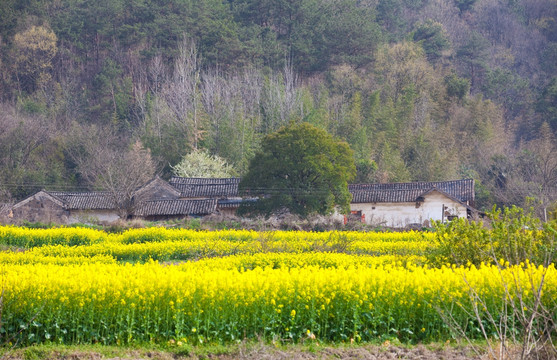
<point x="201" y="164"/>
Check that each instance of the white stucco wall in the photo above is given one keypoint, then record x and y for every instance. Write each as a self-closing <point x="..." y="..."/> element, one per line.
<point x="92" y="216"/>
<point x="403" y="214"/>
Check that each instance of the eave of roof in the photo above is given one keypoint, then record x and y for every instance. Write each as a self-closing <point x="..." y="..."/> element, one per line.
<point x="463" y="190"/>
<point x="92" y="200"/>
<point x="176" y="207"/>
<point x="206" y="187"/>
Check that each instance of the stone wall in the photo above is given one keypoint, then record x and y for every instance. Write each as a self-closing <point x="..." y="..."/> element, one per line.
<point x="400" y="215"/>
<point x="39" y="208"/>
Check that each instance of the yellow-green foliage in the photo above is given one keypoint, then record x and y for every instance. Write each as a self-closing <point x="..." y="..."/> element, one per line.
<point x="199" y="248"/>
<point x="183" y="244"/>
<point x="24" y="237"/>
<point x="511" y="235"/>
<point x="20" y="236"/>
<point x="85" y="286"/>
<point x="31" y="257"/>
<point x="333" y="296"/>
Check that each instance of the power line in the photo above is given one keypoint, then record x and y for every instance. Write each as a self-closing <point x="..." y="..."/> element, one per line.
<point x="37" y="185"/>
<point x="258" y="189"/>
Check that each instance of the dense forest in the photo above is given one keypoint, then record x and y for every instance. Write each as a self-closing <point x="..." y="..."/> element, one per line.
<point x="420" y="89"/>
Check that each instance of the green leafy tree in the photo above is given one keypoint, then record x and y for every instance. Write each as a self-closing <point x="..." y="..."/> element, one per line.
<point x="389" y="15"/>
<point x="315" y="34"/>
<point x="365" y="171"/>
<point x="511" y="90"/>
<point x="35" y="49"/>
<point x="547" y="103"/>
<point x="433" y="38"/>
<point x="301" y="168"/>
<point x="465" y="5"/>
<point x="350" y="35"/>
<point x="457" y="87"/>
<point x="201" y="164"/>
<point x="115" y="95"/>
<point x="473" y="55"/>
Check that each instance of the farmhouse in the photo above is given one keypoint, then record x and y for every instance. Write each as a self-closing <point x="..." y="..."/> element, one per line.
<point x="156" y="189"/>
<point x="412" y="204"/>
<point x="395" y="205"/>
<point x="168" y="209"/>
<point x="66" y="207"/>
<point x="156" y="200"/>
<point x="224" y="190"/>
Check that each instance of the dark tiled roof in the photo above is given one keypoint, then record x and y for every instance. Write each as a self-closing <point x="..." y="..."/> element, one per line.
<point x="157" y="188"/>
<point x="375" y="196"/>
<point x="462" y="190"/>
<point x="93" y="200"/>
<point x="176" y="207"/>
<point x="201" y="187"/>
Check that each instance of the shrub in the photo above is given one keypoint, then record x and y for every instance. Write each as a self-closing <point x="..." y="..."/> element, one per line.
<point x="511" y="237"/>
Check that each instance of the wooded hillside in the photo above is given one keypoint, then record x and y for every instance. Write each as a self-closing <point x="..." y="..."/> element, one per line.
<point x="420" y="89"/>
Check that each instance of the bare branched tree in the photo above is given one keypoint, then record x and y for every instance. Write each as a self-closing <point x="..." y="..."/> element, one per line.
<point x="21" y="135"/>
<point x="120" y="171"/>
<point x="152" y="108"/>
<point x="280" y="98"/>
<point x="217" y="101"/>
<point x="141" y="97"/>
<point x="250" y="83"/>
<point x="528" y="177"/>
<point x="232" y="103"/>
<point x="24" y="143"/>
<point x="523" y="326"/>
<point x="182" y="91"/>
<point x="6" y="203"/>
<point x="541" y="173"/>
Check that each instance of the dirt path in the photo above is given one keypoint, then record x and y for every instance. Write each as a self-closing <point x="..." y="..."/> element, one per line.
<point x="263" y="352"/>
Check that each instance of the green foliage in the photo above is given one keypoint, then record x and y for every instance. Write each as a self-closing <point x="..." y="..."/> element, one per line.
<point x="389" y="15"/>
<point x="351" y="129"/>
<point x="201" y="164"/>
<point x="506" y="88"/>
<point x="166" y="142"/>
<point x="314" y="34"/>
<point x="512" y="237"/>
<point x="457" y="87"/>
<point x="365" y="171"/>
<point x="115" y="91"/>
<point x="110" y="63"/>
<point x="547" y="103"/>
<point x="553" y="212"/>
<point x="433" y="39"/>
<point x="351" y="35"/>
<point x="34" y="52"/>
<point x="548" y="56"/>
<point x="301" y="168"/>
<point x="9" y="12"/>
<point x="392" y="166"/>
<point x="423" y="159"/>
<point x="464" y="5"/>
<point x="473" y="55"/>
